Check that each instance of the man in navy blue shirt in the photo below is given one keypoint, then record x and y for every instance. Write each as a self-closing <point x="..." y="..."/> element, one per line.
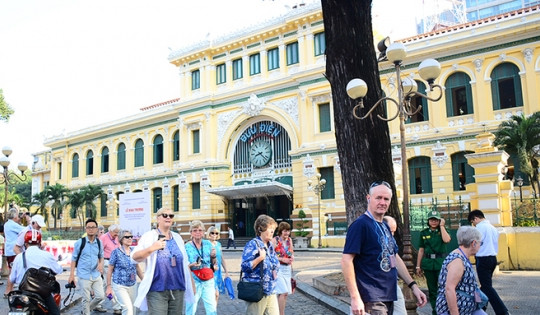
<point x="370" y="260"/>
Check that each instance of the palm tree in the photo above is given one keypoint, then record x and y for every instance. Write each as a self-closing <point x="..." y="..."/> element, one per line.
<point x="519" y="136"/>
<point x="41" y="199"/>
<point x="90" y="193"/>
<point x="75" y="200"/>
<point x="57" y="193"/>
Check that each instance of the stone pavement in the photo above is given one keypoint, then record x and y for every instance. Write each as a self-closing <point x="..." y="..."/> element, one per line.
<point x="518" y="289"/>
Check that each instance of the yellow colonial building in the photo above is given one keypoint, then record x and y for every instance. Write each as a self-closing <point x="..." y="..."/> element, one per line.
<point x="254" y="123"/>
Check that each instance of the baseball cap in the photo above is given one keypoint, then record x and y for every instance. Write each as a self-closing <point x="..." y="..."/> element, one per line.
<point x="39" y="220"/>
<point x="434" y="214"/>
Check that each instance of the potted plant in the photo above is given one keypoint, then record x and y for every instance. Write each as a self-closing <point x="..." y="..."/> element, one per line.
<point x="301" y="240"/>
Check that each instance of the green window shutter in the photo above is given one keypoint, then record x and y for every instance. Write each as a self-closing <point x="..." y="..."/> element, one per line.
<point x="90" y="163"/>
<point x="103" y="206"/>
<point x="292" y="53"/>
<point x="273" y="59"/>
<point x="449" y="103"/>
<point x="158" y="199"/>
<point x="495" y="94"/>
<point x="470" y="107"/>
<point x="329" y="190"/>
<point x="121" y="157"/>
<point x="255" y="64"/>
<point x="319" y="44"/>
<point x="455" y="172"/>
<point x="517" y="89"/>
<point x="237" y="69"/>
<point x="420" y="175"/>
<point x="176" y="207"/>
<point x="176" y="146"/>
<point x="196" y="141"/>
<point x="105" y="160"/>
<point x="158" y="150"/>
<point x="324" y="118"/>
<point x="221" y="74"/>
<point x="75" y="166"/>
<point x="139" y="153"/>
<point x="196" y="196"/>
<point x="195" y="79"/>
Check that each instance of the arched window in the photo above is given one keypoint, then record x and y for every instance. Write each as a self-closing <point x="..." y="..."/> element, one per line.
<point x="420" y="175"/>
<point x="462" y="172"/>
<point x="458" y="95"/>
<point x="417" y="101"/>
<point x="89" y="163"/>
<point x="139" y="153"/>
<point x="75" y="166"/>
<point x="506" y="86"/>
<point x="176" y="146"/>
<point x="105" y="160"/>
<point x="158" y="199"/>
<point x="158" y="149"/>
<point x="121" y="157"/>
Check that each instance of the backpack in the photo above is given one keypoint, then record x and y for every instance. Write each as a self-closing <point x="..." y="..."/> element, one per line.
<point x="41" y="281"/>
<point x="83" y="243"/>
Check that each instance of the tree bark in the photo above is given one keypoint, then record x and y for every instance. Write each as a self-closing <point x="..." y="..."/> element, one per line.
<point x="364" y="146"/>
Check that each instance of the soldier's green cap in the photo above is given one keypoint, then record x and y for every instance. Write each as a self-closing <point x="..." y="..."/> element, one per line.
<point x="434" y="214"/>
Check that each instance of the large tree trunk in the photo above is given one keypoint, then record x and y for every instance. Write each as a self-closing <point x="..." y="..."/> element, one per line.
<point x="364" y="146"/>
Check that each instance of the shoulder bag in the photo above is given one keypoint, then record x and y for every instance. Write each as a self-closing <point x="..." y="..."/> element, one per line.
<point x="41" y="281"/>
<point x="251" y="291"/>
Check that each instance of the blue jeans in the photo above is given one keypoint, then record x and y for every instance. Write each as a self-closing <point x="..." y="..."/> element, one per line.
<point x="485" y="267"/>
<point x="207" y="292"/>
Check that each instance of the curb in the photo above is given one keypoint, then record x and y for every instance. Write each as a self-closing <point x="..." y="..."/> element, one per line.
<point x="336" y="305"/>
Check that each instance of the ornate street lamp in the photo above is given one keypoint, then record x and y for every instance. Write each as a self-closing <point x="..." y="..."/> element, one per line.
<point x="9" y="177"/>
<point x="317" y="189"/>
<point x="428" y="70"/>
<point x="519" y="182"/>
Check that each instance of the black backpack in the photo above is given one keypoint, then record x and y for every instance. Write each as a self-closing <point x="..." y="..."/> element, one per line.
<point x="41" y="281"/>
<point x="83" y="243"/>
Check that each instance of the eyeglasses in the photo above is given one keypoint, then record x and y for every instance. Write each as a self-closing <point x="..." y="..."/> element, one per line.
<point x="481" y="243"/>
<point x="165" y="215"/>
<point x="91" y="227"/>
<point x="214" y="233"/>
<point x="378" y="183"/>
<point x="197" y="230"/>
<point x="128" y="236"/>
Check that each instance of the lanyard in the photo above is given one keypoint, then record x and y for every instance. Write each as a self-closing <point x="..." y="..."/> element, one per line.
<point x="112" y="239"/>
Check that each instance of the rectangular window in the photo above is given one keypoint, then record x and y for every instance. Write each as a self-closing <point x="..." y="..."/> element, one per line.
<point x="175" y="199"/>
<point x="196" y="196"/>
<point x="103" y="205"/>
<point x="237" y="71"/>
<point x="195" y="79"/>
<point x="292" y="54"/>
<point x="319" y="44"/>
<point x="328" y="174"/>
<point x="196" y="141"/>
<point x="59" y="166"/>
<point x="273" y="59"/>
<point x="324" y="118"/>
<point x="221" y="74"/>
<point x="255" y="64"/>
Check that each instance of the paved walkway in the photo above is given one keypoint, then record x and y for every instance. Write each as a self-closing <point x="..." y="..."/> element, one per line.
<point x="518" y="289"/>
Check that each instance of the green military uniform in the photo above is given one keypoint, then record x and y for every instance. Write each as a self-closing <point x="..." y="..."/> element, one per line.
<point x="434" y="254"/>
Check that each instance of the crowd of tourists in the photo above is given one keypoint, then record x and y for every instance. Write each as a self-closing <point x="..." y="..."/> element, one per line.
<point x="177" y="274"/>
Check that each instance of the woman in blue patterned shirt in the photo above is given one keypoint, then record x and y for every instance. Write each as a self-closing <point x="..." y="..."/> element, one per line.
<point x="122" y="272"/>
<point x="457" y="281"/>
<point x="259" y="253"/>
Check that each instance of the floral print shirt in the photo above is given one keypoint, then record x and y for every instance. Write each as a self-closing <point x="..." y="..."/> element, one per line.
<point x="270" y="263"/>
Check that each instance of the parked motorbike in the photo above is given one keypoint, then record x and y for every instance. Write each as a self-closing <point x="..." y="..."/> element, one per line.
<point x="30" y="303"/>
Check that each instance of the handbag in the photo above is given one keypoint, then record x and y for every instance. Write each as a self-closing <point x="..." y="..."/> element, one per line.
<point x="41" y="281"/>
<point x="204" y="274"/>
<point x="479" y="297"/>
<point x="293" y="285"/>
<point x="251" y="291"/>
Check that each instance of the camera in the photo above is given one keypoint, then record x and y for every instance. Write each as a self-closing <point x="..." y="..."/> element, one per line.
<point x="70" y="285"/>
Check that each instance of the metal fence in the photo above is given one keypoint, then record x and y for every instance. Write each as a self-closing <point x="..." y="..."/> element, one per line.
<point x="525" y="211"/>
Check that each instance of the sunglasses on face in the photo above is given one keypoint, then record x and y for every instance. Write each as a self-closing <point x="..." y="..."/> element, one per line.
<point x="214" y="233"/>
<point x="170" y="216"/>
<point x="128" y="236"/>
<point x="378" y="183"/>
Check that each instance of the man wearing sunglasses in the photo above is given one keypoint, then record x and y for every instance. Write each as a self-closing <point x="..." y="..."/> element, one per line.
<point x="486" y="259"/>
<point x="370" y="261"/>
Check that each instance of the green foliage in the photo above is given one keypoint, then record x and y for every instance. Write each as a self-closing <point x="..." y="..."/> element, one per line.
<point x="57" y="194"/>
<point x="301" y="226"/>
<point x="5" y="110"/>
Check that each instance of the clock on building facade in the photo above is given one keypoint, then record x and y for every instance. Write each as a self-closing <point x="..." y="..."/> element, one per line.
<point x="260" y="153"/>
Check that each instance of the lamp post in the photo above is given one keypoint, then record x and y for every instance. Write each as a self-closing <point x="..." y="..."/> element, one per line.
<point x="317" y="189"/>
<point x="9" y="177"/>
<point x="428" y="70"/>
<point x="519" y="182"/>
